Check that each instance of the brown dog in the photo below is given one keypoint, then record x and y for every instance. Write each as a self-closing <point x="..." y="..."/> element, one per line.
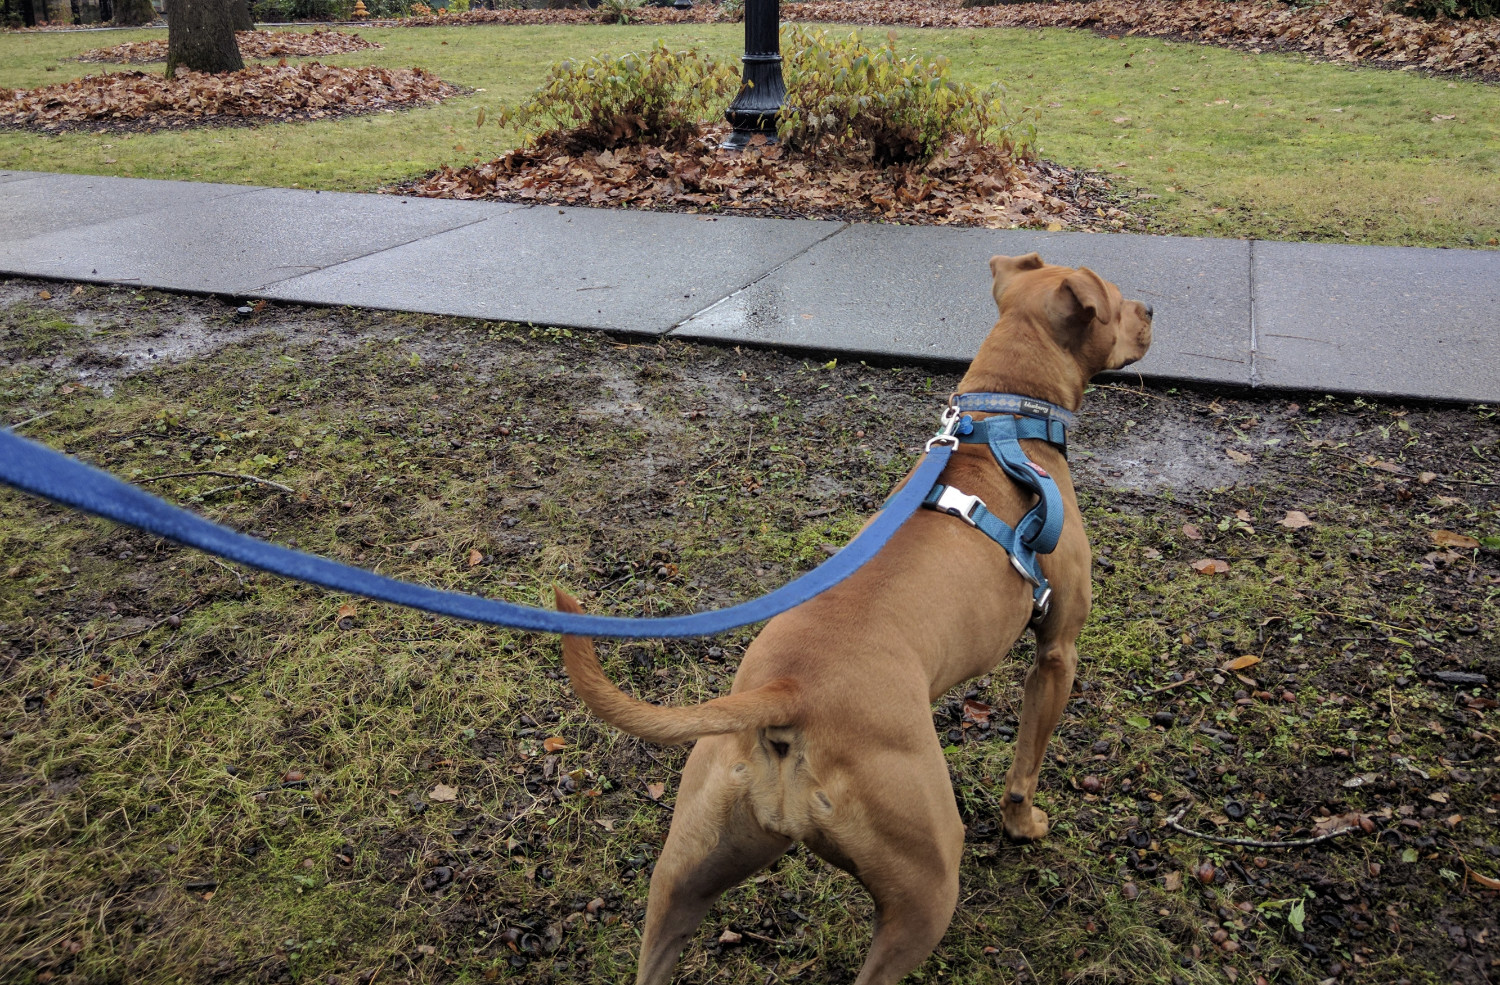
<point x="826" y="736"/>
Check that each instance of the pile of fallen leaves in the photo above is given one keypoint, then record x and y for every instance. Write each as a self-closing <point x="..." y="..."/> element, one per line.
<point x="1338" y="30"/>
<point x="135" y="100"/>
<point x="968" y="183"/>
<point x="253" y="45"/>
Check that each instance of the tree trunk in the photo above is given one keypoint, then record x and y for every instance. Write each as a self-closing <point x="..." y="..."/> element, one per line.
<point x="134" y="12"/>
<point x="239" y="14"/>
<point x="200" y="37"/>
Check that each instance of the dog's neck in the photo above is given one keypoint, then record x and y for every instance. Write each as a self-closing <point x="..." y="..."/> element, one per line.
<point x="1023" y="358"/>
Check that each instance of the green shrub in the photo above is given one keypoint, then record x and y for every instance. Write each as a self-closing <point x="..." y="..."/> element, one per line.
<point x="1457" y="9"/>
<point x="661" y="95"/>
<point x="618" y="11"/>
<point x="846" y="97"/>
<point x="280" y="11"/>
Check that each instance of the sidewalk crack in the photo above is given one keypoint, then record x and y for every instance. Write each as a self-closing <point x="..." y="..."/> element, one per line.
<point x="741" y="290"/>
<point x="314" y="269"/>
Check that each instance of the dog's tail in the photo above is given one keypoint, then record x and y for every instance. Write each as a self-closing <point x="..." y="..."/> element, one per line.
<point x="765" y="706"/>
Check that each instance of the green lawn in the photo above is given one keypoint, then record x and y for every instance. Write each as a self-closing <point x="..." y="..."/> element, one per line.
<point x="1272" y="146"/>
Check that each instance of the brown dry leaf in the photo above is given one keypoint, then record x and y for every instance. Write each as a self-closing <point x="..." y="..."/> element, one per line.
<point x="1238" y="457"/>
<point x="1295" y="520"/>
<point x="475" y="558"/>
<point x="1391" y="467"/>
<point x="555" y="743"/>
<point x="1426" y="477"/>
<point x="655" y="790"/>
<point x="1240" y="663"/>
<point x="606" y="823"/>
<point x="346" y="616"/>
<point x="44" y="295"/>
<point x="1450" y="538"/>
<point x="977" y="711"/>
<point x="78" y="290"/>
<point x="730" y="937"/>
<point x="1191" y="532"/>
<point x="1211" y="566"/>
<point x="1484" y="881"/>
<point x="443" y="794"/>
<point x="1172" y="881"/>
<point x="1353" y="819"/>
<point x="1438" y="798"/>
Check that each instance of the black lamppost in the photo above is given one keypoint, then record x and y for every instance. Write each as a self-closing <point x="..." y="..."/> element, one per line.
<point x="762" y="89"/>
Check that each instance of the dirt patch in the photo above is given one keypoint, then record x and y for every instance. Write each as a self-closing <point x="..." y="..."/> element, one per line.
<point x="376" y="794"/>
<point x="252" y="44"/>
<point x="137" y="101"/>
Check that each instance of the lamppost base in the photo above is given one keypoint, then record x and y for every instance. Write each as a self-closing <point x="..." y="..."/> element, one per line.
<point x="738" y="140"/>
<point x="682" y="4"/>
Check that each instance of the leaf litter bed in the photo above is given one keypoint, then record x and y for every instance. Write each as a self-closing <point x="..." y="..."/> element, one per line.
<point x="966" y="184"/>
<point x="255" y="45"/>
<point x="260" y="93"/>
<point x="1360" y="31"/>
<point x="197" y="760"/>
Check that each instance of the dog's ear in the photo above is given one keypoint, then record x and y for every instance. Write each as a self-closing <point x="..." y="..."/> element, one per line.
<point x="1079" y="301"/>
<point x="1003" y="269"/>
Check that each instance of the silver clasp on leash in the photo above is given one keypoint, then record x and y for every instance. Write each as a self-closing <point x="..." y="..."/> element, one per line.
<point x="1040" y="604"/>
<point x="958" y="504"/>
<point x="948" y="429"/>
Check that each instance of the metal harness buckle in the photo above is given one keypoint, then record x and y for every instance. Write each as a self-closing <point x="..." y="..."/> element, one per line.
<point x="958" y="504"/>
<point x="949" y="428"/>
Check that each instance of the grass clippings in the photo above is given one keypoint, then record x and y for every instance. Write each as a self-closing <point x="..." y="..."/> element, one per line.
<point x="968" y="184"/>
<point x="254" y="45"/>
<point x="210" y="774"/>
<point x="138" y="100"/>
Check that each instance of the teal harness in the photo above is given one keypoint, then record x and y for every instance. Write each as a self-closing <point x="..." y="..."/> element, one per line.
<point x="1038" y="531"/>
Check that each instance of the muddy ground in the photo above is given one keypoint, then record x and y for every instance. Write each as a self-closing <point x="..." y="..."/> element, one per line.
<point x="212" y="775"/>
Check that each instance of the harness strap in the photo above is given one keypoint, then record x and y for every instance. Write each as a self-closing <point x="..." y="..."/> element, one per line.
<point x="1042" y="525"/>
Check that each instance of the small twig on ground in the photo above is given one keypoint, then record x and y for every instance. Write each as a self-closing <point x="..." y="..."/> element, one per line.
<point x="233" y="678"/>
<point x="222" y="475"/>
<point x="227" y="568"/>
<point x="1130" y="390"/>
<point x="1174" y="820"/>
<point x="1188" y="678"/>
<point x="32" y="420"/>
<point x="139" y="632"/>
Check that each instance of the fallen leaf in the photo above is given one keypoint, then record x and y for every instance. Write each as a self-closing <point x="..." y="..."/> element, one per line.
<point x="1151" y="554"/>
<point x="78" y="290"/>
<point x="977" y="711"/>
<point x="345" y="617"/>
<point x="1191" y="532"/>
<point x="730" y="937"/>
<point x="1484" y="881"/>
<point x="1172" y="881"/>
<point x="1237" y="457"/>
<point x="1425" y="477"/>
<point x="1324" y="825"/>
<point x="605" y="823"/>
<point x="1438" y="798"/>
<point x="655" y="790"/>
<point x="443" y="794"/>
<point x="1240" y="663"/>
<point x="554" y="744"/>
<point x="475" y="558"/>
<point x="1295" y="520"/>
<point x="1449" y="538"/>
<point x="1211" y="566"/>
<point x="44" y="295"/>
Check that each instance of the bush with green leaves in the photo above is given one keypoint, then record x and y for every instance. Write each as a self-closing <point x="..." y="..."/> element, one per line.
<point x="662" y="96"/>
<point x="282" y="11"/>
<point x="1456" y="9"/>
<point x="845" y="96"/>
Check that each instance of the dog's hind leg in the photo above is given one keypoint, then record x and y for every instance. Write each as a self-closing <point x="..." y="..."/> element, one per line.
<point x="905" y="847"/>
<point x="714" y="843"/>
<point x="1048" y="683"/>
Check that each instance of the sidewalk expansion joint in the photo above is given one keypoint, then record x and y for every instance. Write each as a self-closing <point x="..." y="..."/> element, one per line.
<point x="1254" y="329"/>
<point x="843" y="226"/>
<point x="312" y="269"/>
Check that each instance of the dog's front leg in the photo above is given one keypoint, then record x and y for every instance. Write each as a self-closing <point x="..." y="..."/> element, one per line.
<point x="1048" y="684"/>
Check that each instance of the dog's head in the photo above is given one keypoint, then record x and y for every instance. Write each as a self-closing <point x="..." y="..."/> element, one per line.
<point x="1084" y="313"/>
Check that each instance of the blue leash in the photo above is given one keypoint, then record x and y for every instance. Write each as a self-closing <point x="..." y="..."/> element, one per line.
<point x="39" y="470"/>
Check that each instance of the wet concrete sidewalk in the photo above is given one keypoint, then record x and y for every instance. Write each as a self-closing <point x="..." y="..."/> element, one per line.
<point x="1387" y="321"/>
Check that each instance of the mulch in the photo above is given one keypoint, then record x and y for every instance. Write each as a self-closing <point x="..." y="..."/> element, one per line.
<point x="1360" y="31"/>
<point x="968" y="184"/>
<point x="256" y="45"/>
<point x="138" y="101"/>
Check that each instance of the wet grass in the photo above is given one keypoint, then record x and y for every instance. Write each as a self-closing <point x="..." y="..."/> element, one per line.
<point x="1206" y="141"/>
<point x="209" y="774"/>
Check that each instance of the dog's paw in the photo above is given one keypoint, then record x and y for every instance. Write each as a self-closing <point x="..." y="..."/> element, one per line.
<point x="1024" y="827"/>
